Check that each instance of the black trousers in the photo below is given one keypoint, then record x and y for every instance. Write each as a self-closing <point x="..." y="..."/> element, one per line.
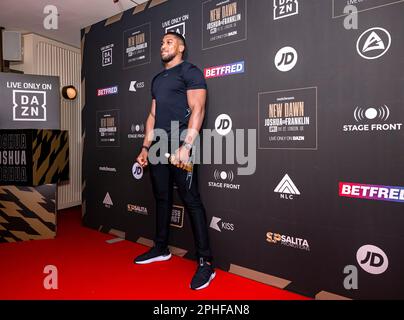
<point x="163" y="177"/>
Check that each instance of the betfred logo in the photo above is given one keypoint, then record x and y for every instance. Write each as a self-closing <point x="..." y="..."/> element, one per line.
<point x="371" y="192"/>
<point x="224" y="70"/>
<point x="107" y="91"/>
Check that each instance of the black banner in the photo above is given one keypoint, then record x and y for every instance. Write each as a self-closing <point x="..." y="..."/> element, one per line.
<point x="308" y="195"/>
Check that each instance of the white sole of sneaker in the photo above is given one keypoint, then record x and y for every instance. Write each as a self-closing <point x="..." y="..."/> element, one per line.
<point x="212" y="276"/>
<point x="159" y="258"/>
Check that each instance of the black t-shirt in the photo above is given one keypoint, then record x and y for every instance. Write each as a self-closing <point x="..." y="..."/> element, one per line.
<point x="169" y="89"/>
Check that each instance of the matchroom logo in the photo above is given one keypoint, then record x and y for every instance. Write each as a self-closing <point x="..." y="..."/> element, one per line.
<point x="287" y="188"/>
<point x="371" y="192"/>
<point x="373" y="43"/>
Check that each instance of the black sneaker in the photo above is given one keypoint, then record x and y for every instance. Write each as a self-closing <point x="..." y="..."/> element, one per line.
<point x="203" y="275"/>
<point x="153" y="255"/>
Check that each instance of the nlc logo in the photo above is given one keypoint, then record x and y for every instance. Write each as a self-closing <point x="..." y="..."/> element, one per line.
<point x="287" y="188"/>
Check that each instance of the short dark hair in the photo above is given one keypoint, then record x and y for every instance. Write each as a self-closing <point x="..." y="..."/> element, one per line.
<point x="179" y="36"/>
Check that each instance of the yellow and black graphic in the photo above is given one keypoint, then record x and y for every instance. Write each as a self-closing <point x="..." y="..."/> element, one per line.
<point x="50" y="156"/>
<point x="32" y="157"/>
<point x="27" y="213"/>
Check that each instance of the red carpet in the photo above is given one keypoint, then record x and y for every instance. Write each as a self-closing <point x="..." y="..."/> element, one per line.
<point x="90" y="268"/>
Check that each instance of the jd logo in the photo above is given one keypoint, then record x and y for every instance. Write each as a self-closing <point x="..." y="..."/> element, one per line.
<point x="29" y="105"/>
<point x="372" y="259"/>
<point x="286" y="59"/>
<point x="223" y="124"/>
<point x="137" y="171"/>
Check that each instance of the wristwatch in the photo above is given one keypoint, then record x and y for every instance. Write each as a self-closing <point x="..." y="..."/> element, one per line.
<point x="187" y="146"/>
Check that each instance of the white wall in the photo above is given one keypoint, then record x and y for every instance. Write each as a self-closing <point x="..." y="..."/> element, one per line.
<point x="44" y="56"/>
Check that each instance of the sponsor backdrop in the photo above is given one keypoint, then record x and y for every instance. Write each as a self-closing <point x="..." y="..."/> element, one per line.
<point x="320" y="210"/>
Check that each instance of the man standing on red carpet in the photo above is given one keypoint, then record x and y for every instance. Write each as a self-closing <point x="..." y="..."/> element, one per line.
<point x="178" y="95"/>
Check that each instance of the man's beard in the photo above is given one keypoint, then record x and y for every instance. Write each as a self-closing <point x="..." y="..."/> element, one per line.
<point x="168" y="58"/>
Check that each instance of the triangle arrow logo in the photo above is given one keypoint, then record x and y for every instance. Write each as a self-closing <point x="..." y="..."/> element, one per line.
<point x="108" y="200"/>
<point x="214" y="223"/>
<point x="287" y="186"/>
